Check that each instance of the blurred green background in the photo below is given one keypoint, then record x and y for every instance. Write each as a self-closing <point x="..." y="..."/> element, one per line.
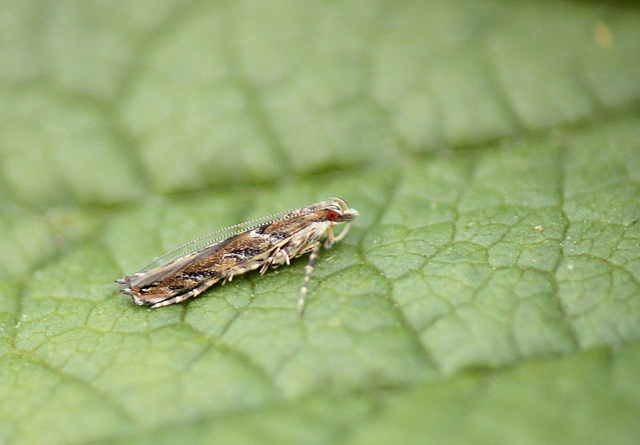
<point x="488" y="293"/>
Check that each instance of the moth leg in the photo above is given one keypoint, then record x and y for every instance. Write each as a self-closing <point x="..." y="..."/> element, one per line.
<point x="277" y="258"/>
<point x="266" y="265"/>
<point x="343" y="233"/>
<point x="308" y="269"/>
<point x="332" y="239"/>
<point x="191" y="294"/>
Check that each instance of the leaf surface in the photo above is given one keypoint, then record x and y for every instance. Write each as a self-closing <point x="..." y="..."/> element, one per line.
<point x="489" y="291"/>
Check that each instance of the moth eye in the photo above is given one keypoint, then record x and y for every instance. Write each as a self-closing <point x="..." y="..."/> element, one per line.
<point x="332" y="215"/>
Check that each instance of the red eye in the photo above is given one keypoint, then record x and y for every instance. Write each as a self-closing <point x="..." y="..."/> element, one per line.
<point x="332" y="215"/>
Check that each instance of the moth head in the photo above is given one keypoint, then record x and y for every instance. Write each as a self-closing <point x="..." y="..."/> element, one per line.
<point x="341" y="213"/>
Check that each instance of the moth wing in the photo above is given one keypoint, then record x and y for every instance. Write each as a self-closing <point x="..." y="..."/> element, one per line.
<point x="176" y="259"/>
<point x="151" y="274"/>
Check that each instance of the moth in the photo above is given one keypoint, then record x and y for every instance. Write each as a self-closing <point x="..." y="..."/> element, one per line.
<point x="261" y="243"/>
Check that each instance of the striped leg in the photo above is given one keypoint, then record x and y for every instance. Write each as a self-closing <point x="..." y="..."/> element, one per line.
<point x="191" y="294"/>
<point x="308" y="269"/>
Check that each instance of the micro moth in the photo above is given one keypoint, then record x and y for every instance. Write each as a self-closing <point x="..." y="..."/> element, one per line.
<point x="261" y="243"/>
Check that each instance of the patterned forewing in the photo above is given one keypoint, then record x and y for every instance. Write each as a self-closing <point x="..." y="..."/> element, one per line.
<point x="221" y="255"/>
<point x="240" y="253"/>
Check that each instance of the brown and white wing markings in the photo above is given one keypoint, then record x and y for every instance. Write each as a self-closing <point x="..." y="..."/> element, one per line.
<point x="268" y="244"/>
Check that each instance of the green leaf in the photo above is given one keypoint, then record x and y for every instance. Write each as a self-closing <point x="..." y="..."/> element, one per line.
<point x="487" y="293"/>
